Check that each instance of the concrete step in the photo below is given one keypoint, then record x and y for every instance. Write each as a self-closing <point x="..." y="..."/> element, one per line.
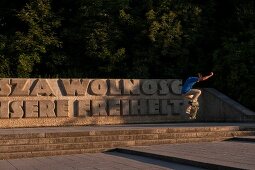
<point x="26" y="151"/>
<point x="28" y="134"/>
<point x="33" y="135"/>
<point x="86" y="139"/>
<point x="102" y="144"/>
<point x="205" y="134"/>
<point x="76" y="139"/>
<point x="29" y="144"/>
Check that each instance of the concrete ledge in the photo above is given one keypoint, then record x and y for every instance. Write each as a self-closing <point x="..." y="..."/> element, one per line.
<point x="216" y="106"/>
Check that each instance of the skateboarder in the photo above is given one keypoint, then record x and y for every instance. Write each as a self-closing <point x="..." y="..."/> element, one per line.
<point x="193" y="94"/>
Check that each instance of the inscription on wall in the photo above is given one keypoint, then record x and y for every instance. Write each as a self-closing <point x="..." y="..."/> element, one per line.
<point x="40" y="98"/>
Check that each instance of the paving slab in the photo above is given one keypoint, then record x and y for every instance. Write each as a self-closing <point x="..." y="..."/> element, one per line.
<point x="209" y="155"/>
<point x="97" y="161"/>
<point x="6" y="165"/>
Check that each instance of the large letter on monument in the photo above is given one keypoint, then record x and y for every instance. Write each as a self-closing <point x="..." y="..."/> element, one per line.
<point x="115" y="87"/>
<point x="21" y="87"/>
<point x="176" y="86"/>
<point x="149" y="87"/>
<point x="114" y="107"/>
<point x="163" y="87"/>
<point x="42" y="88"/>
<point x="62" y="108"/>
<point x="16" y="110"/>
<point x="153" y="106"/>
<point x="31" y="109"/>
<point x="99" y="87"/>
<point x="46" y="108"/>
<point x="5" y="88"/>
<point x="166" y="107"/>
<point x="131" y="87"/>
<point x="75" y="87"/>
<point x="138" y="107"/>
<point x="84" y="108"/>
<point x="172" y="107"/>
<point x="99" y="108"/>
<point x="125" y="107"/>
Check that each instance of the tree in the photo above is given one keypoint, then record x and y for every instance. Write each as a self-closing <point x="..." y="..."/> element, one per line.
<point x="34" y="42"/>
<point x="4" y="60"/>
<point x="91" y="38"/>
<point x="173" y="29"/>
<point x="8" y="25"/>
<point x="234" y="61"/>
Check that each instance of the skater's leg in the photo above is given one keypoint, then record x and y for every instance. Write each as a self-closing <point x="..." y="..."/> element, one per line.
<point x="193" y="95"/>
<point x="188" y="108"/>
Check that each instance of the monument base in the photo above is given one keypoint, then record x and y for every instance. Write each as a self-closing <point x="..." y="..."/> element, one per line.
<point x="85" y="121"/>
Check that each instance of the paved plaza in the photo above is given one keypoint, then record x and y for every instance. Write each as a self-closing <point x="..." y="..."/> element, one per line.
<point x="208" y="155"/>
<point x="231" y="154"/>
<point x="211" y="155"/>
<point x="97" y="161"/>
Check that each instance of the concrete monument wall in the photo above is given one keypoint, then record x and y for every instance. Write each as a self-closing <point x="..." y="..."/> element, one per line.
<point x="215" y="106"/>
<point x="62" y="102"/>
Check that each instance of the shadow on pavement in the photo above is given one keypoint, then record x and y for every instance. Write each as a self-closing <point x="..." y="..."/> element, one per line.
<point x="158" y="162"/>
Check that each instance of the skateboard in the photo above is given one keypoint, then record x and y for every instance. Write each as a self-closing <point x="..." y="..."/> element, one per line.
<point x="194" y="110"/>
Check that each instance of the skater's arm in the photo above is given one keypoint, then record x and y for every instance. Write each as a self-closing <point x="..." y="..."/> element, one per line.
<point x="201" y="78"/>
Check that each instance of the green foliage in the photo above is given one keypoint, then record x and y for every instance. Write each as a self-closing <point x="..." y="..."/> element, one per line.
<point x="236" y="65"/>
<point x="156" y="35"/>
<point x="173" y="28"/>
<point x="94" y="34"/>
<point x="235" y="61"/>
<point x="32" y="44"/>
<point x="4" y="60"/>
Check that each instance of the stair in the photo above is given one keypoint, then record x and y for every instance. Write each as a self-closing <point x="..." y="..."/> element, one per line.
<point x="48" y="143"/>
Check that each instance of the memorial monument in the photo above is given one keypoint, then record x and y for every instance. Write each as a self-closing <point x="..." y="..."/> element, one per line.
<point x="60" y="102"/>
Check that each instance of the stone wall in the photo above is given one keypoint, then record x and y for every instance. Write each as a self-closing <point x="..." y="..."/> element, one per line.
<point x="62" y="102"/>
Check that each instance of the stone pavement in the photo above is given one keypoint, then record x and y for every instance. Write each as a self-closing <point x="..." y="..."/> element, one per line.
<point x="97" y="161"/>
<point x="208" y="155"/>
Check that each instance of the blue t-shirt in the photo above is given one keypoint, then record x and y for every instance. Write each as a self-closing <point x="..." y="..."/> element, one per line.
<point x="187" y="86"/>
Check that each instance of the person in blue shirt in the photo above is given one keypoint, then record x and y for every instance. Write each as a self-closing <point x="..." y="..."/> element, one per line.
<point x="192" y="94"/>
